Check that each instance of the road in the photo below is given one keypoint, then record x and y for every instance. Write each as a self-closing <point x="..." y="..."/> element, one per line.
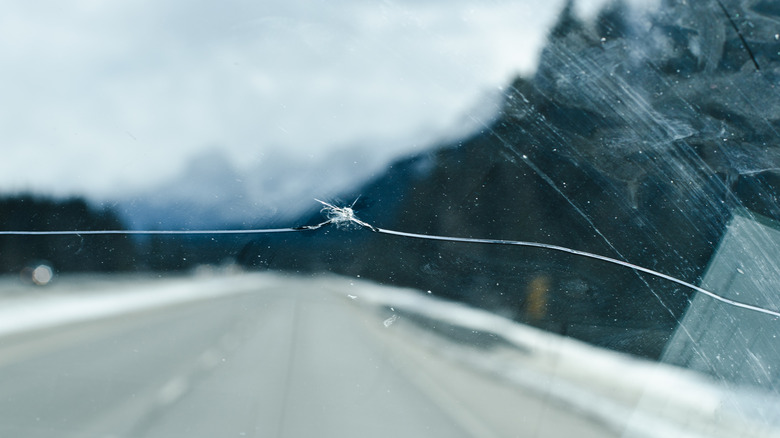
<point x="292" y="359"/>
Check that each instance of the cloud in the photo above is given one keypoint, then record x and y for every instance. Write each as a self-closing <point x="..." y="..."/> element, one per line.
<point x="104" y="97"/>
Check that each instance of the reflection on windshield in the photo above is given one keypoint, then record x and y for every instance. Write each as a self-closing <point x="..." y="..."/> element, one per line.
<point x="597" y="257"/>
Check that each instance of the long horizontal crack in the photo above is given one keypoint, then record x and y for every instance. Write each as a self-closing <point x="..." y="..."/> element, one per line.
<point x="344" y="217"/>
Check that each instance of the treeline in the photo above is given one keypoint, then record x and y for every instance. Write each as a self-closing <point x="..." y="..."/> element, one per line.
<point x="65" y="253"/>
<point x="97" y="253"/>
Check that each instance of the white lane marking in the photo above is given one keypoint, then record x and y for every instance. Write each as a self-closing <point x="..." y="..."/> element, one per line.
<point x="173" y="390"/>
<point x="210" y="359"/>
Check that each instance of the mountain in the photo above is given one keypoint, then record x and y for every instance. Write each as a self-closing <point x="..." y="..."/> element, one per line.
<point x="211" y="192"/>
<point x="208" y="192"/>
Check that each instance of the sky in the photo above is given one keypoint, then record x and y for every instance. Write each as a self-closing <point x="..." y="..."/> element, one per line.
<point x="109" y="97"/>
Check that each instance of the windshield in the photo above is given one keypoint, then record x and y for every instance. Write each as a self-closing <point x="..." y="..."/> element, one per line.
<point x="390" y="218"/>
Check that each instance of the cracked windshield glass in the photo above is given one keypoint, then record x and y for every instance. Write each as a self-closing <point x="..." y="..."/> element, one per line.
<point x="390" y="218"/>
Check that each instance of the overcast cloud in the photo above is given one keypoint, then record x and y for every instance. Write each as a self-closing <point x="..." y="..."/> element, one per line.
<point x="104" y="97"/>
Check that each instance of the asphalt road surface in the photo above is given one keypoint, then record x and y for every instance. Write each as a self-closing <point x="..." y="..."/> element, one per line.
<point x="289" y="360"/>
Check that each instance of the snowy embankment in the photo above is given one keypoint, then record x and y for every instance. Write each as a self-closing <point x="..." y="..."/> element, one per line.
<point x="73" y="299"/>
<point x="636" y="397"/>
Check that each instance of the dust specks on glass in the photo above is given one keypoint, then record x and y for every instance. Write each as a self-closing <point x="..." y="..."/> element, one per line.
<point x="397" y="218"/>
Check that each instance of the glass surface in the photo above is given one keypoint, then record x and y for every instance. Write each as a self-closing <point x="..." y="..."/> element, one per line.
<point x="390" y="218"/>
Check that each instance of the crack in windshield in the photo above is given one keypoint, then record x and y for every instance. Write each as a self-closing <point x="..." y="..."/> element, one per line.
<point x="344" y="217"/>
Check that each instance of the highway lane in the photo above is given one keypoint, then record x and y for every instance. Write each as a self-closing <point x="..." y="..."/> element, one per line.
<point x="292" y="359"/>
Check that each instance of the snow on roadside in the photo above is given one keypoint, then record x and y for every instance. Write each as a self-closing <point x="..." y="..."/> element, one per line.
<point x="83" y="298"/>
<point x="637" y="397"/>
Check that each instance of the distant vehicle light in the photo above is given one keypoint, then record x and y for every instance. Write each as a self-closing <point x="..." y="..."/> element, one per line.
<point x="42" y="275"/>
<point x="39" y="274"/>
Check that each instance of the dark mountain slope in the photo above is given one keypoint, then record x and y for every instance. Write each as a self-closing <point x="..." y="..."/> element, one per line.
<point x="636" y="139"/>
